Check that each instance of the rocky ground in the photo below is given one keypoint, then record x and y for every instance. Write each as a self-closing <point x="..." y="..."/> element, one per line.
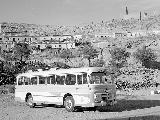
<point x="130" y="106"/>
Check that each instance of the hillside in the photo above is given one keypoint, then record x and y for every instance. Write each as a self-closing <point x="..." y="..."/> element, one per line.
<point x="114" y="25"/>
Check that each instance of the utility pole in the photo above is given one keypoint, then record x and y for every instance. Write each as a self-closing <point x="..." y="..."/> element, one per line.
<point x="140" y="17"/>
<point x="126" y="10"/>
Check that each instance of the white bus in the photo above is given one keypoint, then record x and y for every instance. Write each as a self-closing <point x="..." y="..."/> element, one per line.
<point x="74" y="87"/>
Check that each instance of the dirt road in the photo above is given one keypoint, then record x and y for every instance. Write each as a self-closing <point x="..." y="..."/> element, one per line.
<point x="127" y="108"/>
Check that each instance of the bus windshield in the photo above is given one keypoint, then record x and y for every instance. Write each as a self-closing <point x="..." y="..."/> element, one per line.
<point x="99" y="78"/>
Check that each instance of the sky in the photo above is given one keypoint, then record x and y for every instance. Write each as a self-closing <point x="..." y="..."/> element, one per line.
<point x="72" y="12"/>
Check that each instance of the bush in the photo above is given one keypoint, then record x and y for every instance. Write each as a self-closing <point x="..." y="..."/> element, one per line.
<point x="145" y="56"/>
<point x="98" y="63"/>
<point x="119" y="56"/>
<point x="5" y="89"/>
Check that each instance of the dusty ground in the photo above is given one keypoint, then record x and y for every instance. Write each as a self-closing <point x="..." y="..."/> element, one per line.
<point x="129" y="106"/>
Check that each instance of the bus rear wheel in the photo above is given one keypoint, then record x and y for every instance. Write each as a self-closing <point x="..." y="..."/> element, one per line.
<point x="69" y="104"/>
<point x="30" y="101"/>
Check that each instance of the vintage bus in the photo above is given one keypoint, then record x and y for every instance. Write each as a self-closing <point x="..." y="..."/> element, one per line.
<point x="73" y="87"/>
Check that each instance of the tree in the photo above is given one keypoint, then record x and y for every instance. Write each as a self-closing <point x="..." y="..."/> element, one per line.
<point x="98" y="62"/>
<point x="21" y="52"/>
<point x="66" y="54"/>
<point x="118" y="60"/>
<point x="146" y="56"/>
<point x="88" y="52"/>
<point x="119" y="57"/>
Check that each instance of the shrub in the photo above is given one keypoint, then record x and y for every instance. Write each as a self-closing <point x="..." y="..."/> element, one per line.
<point x="98" y="63"/>
<point x="145" y="56"/>
<point x="118" y="60"/>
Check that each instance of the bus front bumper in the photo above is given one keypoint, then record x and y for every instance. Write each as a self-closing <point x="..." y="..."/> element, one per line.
<point x="105" y="103"/>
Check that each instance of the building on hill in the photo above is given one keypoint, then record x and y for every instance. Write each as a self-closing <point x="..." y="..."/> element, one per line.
<point x="100" y="44"/>
<point x="77" y="38"/>
<point x="120" y="34"/>
<point x="55" y="45"/>
<point x="26" y="39"/>
<point x="139" y="33"/>
<point x="55" y="38"/>
<point x="104" y="35"/>
<point x="63" y="45"/>
<point x="153" y="32"/>
<point x="7" y="45"/>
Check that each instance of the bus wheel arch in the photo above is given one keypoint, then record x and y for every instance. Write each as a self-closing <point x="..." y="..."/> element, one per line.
<point x="68" y="102"/>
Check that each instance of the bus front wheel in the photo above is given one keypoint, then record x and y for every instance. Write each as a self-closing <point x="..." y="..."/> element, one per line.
<point x="30" y="101"/>
<point x="69" y="104"/>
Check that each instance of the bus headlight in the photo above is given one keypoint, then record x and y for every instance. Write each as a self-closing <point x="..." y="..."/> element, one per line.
<point x="97" y="97"/>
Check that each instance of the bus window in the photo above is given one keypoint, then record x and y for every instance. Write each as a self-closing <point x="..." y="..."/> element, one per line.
<point x="84" y="78"/>
<point x="41" y="80"/>
<point x="60" y="80"/>
<point x="48" y="80"/>
<point x="34" y="81"/>
<point x="71" y="80"/>
<point x="20" y="81"/>
<point x="97" y="78"/>
<point x="53" y="80"/>
<point x="26" y="81"/>
<point x="79" y="79"/>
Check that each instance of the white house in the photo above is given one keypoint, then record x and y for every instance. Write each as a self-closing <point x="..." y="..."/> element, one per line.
<point x="27" y="39"/>
<point x="63" y="45"/>
<point x="104" y="35"/>
<point x="77" y="37"/>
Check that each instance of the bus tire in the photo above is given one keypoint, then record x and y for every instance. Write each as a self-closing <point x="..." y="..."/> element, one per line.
<point x="69" y="104"/>
<point x="30" y="101"/>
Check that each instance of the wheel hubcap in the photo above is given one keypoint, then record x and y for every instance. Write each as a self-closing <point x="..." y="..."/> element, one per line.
<point x="30" y="101"/>
<point x="69" y="104"/>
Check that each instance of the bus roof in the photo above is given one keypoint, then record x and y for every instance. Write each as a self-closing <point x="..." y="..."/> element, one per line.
<point x="81" y="70"/>
<point x="62" y="72"/>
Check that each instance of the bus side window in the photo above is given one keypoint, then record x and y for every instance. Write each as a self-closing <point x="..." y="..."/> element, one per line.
<point x="60" y="80"/>
<point x="53" y="80"/>
<point x="41" y="80"/>
<point x="48" y="80"/>
<point x="92" y="79"/>
<point x="20" y="81"/>
<point x="67" y="82"/>
<point x="26" y="81"/>
<point x="79" y="79"/>
<point x="70" y="80"/>
<point x="84" y="78"/>
<point x="34" y="81"/>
